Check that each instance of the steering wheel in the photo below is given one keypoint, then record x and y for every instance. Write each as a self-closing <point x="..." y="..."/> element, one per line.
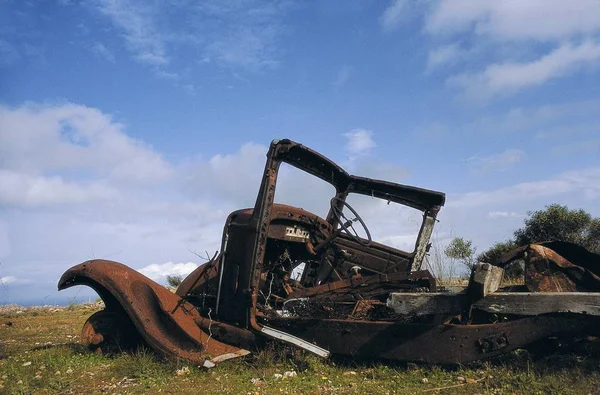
<point x="346" y="224"/>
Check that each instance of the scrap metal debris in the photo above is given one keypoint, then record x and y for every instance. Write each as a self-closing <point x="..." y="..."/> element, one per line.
<point x="322" y="284"/>
<point x="557" y="266"/>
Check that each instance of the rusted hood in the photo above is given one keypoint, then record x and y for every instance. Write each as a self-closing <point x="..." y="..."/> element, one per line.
<point x="163" y="319"/>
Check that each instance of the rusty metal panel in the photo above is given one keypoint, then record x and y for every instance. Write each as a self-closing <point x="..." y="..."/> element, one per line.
<point x="166" y="324"/>
<point x="444" y="344"/>
<point x="557" y="267"/>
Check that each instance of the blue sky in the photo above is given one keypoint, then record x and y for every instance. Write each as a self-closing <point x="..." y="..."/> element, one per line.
<point x="130" y="129"/>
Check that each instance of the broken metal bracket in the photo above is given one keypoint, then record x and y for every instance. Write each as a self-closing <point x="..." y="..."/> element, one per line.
<point x="286" y="337"/>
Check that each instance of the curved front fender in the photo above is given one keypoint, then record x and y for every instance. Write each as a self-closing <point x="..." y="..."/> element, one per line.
<point x="162" y="318"/>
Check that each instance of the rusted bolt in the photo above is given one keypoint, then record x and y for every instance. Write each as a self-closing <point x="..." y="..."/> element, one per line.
<point x="502" y="342"/>
<point x="486" y="346"/>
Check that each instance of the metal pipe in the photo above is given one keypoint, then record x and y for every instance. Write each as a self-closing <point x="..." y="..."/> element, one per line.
<point x="221" y="270"/>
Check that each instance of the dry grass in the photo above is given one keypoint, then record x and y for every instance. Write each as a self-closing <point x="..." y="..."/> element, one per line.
<point x="454" y="282"/>
<point x="44" y="356"/>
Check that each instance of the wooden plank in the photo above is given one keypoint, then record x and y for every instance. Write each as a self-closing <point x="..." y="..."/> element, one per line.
<point x="518" y="303"/>
<point x="427" y="303"/>
<point x="534" y="303"/>
<point x="485" y="280"/>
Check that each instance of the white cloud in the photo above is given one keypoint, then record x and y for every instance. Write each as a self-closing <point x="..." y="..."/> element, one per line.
<point x="497" y="162"/>
<point x="232" y="178"/>
<point x="504" y="214"/>
<point x="15" y="281"/>
<point x="392" y="224"/>
<point x="242" y="34"/>
<point x="553" y="119"/>
<point x="71" y="191"/>
<point x="584" y="183"/>
<point x="379" y="170"/>
<point x="491" y="215"/>
<point x="247" y="47"/>
<point x="22" y="190"/>
<point x="137" y="21"/>
<point x="52" y="240"/>
<point x="394" y="15"/>
<point x="159" y="272"/>
<point x="405" y="242"/>
<point x="508" y="33"/>
<point x="359" y="142"/>
<point x="4" y="240"/>
<point x="43" y="138"/>
<point x="166" y="75"/>
<point x="75" y="186"/>
<point x="431" y="130"/>
<point x="444" y="55"/>
<point x="101" y="51"/>
<point x="577" y="129"/>
<point x="342" y="77"/>
<point x="8" y="280"/>
<point x="578" y="148"/>
<point x="511" y="77"/>
<point x="516" y="20"/>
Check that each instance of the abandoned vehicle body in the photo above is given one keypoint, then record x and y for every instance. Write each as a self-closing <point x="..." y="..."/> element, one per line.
<point x="287" y="274"/>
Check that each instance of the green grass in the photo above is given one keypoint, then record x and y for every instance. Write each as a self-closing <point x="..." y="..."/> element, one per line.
<point x="44" y="356"/>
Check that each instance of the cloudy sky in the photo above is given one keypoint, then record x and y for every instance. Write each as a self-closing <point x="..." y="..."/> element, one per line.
<point x="129" y="129"/>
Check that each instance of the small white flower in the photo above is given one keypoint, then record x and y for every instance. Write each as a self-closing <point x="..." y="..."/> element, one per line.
<point x="182" y="371"/>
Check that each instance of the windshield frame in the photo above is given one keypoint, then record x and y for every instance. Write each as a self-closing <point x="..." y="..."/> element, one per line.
<point x="429" y="202"/>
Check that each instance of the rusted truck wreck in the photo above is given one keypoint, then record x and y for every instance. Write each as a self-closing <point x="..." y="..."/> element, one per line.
<point x="287" y="274"/>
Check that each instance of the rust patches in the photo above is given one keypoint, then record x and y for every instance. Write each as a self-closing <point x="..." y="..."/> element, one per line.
<point x="444" y="344"/>
<point x="107" y="332"/>
<point x="557" y="267"/>
<point x="422" y="278"/>
<point x="150" y="307"/>
<point x="287" y="274"/>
